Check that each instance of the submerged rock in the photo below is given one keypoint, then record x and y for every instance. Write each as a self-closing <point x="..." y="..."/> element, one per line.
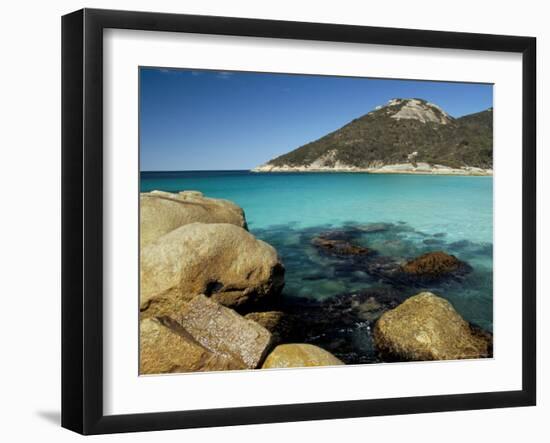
<point x="469" y="248"/>
<point x="370" y="309"/>
<point x="371" y="304"/>
<point x="433" y="265"/>
<point x="337" y="242"/>
<point x="432" y="241"/>
<point x="224" y="332"/>
<point x="162" y="212"/>
<point x="339" y="247"/>
<point x="427" y="327"/>
<point x="385" y="268"/>
<point x="220" y="260"/>
<point x="299" y="356"/>
<point x="166" y="348"/>
<point x="340" y="324"/>
<point x="375" y="227"/>
<point x="367" y="304"/>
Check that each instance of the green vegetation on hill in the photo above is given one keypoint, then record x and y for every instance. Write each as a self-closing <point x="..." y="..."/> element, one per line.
<point x="381" y="137"/>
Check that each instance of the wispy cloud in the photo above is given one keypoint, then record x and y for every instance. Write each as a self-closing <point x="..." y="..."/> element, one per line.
<point x="173" y="71"/>
<point x="224" y="74"/>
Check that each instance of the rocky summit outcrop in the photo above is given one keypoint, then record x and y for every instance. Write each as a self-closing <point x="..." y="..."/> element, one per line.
<point x="220" y="260"/>
<point x="403" y="136"/>
<point x="299" y="355"/>
<point x="166" y="347"/>
<point x="162" y="212"/>
<point x="224" y="332"/>
<point x="427" y="327"/>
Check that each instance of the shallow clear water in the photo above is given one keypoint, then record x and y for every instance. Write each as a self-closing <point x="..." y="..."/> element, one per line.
<point x="421" y="213"/>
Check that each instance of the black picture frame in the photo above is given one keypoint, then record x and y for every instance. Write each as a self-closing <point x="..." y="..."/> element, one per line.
<point x="82" y="218"/>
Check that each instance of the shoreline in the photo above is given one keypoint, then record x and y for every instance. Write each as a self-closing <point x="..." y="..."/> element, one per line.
<point x="281" y="325"/>
<point x="403" y="168"/>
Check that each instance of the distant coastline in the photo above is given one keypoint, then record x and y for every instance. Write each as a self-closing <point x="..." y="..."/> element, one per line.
<point x="405" y="136"/>
<point x="399" y="168"/>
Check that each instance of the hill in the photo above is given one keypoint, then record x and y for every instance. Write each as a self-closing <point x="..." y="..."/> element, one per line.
<point x="405" y="135"/>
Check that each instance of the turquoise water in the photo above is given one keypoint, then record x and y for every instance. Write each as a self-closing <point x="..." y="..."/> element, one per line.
<point x="420" y="213"/>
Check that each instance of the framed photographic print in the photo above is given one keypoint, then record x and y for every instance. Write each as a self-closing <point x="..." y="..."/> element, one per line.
<point x="269" y="221"/>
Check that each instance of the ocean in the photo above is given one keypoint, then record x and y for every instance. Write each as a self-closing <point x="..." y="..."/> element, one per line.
<point x="399" y="216"/>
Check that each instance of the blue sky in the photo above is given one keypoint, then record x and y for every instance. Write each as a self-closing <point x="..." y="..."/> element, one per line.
<point x="212" y="120"/>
